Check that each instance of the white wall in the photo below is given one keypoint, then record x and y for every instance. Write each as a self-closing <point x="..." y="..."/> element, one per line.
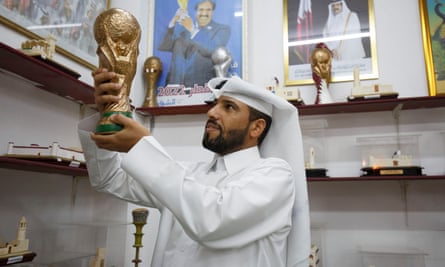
<point x="346" y="216"/>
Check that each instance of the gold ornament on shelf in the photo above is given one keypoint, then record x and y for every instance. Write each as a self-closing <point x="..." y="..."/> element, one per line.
<point x="153" y="70"/>
<point x="321" y="59"/>
<point x="117" y="34"/>
<point x="45" y="48"/>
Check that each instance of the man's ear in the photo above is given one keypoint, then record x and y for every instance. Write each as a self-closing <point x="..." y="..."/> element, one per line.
<point x="257" y="128"/>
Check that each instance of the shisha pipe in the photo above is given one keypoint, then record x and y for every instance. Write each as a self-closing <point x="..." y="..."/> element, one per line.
<point x="139" y="220"/>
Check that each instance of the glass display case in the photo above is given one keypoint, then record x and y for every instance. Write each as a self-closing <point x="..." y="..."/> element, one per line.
<point x="390" y="155"/>
<point x="313" y="132"/>
<point x="398" y="258"/>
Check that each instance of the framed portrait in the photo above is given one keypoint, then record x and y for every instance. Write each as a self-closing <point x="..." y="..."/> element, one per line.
<point x="197" y="40"/>
<point x="432" y="15"/>
<point x="70" y="22"/>
<point x="346" y="27"/>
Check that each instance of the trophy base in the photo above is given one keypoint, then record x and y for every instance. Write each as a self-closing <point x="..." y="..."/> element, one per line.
<point x="316" y="172"/>
<point x="394" y="171"/>
<point x="110" y="128"/>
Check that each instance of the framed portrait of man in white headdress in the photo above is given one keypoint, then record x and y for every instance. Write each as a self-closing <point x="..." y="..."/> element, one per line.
<point x="346" y="27"/>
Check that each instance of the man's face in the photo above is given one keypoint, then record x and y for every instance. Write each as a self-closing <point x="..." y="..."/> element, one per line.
<point x="337" y="7"/>
<point x="204" y="13"/>
<point x="227" y="126"/>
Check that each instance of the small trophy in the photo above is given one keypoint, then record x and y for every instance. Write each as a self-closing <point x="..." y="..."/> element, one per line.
<point x="183" y="13"/>
<point x="139" y="220"/>
<point x="321" y="59"/>
<point x="153" y="70"/>
<point x="221" y="59"/>
<point x="117" y="33"/>
<point x="183" y="4"/>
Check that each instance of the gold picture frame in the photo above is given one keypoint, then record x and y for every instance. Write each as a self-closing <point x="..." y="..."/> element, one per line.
<point x="434" y="51"/>
<point x="304" y="27"/>
<point x="70" y="22"/>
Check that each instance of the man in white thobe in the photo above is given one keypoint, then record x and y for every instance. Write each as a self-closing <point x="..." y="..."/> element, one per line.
<point x="246" y="207"/>
<point x="343" y="22"/>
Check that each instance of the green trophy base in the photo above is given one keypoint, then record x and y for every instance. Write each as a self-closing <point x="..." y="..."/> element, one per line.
<point x="110" y="128"/>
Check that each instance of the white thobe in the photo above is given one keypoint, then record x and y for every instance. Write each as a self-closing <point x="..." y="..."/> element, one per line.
<point x="241" y="219"/>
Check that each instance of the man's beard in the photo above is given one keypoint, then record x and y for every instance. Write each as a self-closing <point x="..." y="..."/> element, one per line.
<point x="224" y="145"/>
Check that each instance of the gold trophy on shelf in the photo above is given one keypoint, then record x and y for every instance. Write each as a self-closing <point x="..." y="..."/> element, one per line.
<point x="153" y="70"/>
<point x="117" y="33"/>
<point x="139" y="220"/>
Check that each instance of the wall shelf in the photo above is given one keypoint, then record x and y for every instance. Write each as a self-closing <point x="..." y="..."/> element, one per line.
<point x="324" y="109"/>
<point x="373" y="105"/>
<point x="42" y="166"/>
<point x="50" y="78"/>
<point x="376" y="178"/>
<point x="47" y="167"/>
<point x="47" y="77"/>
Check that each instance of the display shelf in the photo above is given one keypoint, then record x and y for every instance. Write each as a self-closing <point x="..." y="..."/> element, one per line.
<point x="173" y="110"/>
<point x="373" y="105"/>
<point x="376" y="178"/>
<point x="46" y="76"/>
<point x="323" y="109"/>
<point x="41" y="166"/>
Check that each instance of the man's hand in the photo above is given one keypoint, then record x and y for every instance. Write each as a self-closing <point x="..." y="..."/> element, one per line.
<point x="105" y="91"/>
<point x="187" y="23"/>
<point x="123" y="140"/>
<point x="179" y="15"/>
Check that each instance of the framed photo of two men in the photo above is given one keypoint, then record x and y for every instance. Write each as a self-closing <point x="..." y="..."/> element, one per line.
<point x="346" y="27"/>
<point x="194" y="39"/>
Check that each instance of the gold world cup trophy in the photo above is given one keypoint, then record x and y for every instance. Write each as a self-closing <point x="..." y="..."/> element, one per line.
<point x="117" y="33"/>
<point x="153" y="70"/>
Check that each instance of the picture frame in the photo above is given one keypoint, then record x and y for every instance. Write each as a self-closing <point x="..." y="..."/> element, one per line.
<point x="354" y="46"/>
<point x="70" y="22"/>
<point x="434" y="51"/>
<point x="232" y="13"/>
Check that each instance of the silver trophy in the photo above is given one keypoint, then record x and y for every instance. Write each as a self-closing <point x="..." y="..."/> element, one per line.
<point x="221" y="59"/>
